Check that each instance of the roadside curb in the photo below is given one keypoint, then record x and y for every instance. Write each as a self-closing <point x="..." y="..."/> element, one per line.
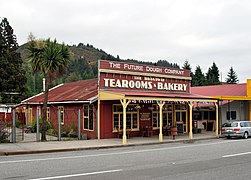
<point x="9" y="153"/>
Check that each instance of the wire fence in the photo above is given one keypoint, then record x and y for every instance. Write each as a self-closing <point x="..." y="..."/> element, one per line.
<point x="61" y="125"/>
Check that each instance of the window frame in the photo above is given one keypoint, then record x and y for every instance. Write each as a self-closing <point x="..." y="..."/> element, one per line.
<point x="90" y="108"/>
<point x="132" y="111"/>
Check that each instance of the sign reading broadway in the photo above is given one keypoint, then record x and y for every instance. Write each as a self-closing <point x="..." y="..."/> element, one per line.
<point x="118" y="75"/>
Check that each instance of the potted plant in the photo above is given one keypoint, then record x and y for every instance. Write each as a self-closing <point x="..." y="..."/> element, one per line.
<point x="137" y="107"/>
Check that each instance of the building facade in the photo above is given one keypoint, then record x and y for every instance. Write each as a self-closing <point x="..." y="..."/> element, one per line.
<point x="126" y="100"/>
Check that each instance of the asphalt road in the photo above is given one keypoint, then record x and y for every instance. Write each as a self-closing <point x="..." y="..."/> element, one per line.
<point x="214" y="159"/>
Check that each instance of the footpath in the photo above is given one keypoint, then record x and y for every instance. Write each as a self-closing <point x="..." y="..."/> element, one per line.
<point x="60" y="146"/>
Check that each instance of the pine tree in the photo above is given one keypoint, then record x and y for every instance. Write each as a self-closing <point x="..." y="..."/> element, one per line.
<point x="12" y="76"/>
<point x="213" y="75"/>
<point x="199" y="78"/>
<point x="232" y="77"/>
<point x="187" y="66"/>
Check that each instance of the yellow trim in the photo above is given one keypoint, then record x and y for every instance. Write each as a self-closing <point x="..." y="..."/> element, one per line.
<point x="217" y="120"/>
<point x="161" y="121"/>
<point x="144" y="74"/>
<point x="108" y="95"/>
<point x="249" y="87"/>
<point x="190" y="121"/>
<point x="98" y="114"/>
<point x="249" y="105"/>
<point x="235" y="98"/>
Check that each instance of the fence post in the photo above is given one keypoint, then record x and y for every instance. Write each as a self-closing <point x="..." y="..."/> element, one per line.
<point x="13" y="126"/>
<point x="59" y="126"/>
<point x="79" y="124"/>
<point x="37" y="121"/>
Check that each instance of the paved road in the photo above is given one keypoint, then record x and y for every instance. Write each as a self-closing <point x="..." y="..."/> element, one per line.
<point x="212" y="159"/>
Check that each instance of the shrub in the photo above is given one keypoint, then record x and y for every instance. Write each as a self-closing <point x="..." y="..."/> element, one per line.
<point x="4" y="134"/>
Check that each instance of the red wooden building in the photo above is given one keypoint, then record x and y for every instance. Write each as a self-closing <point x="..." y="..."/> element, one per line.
<point x="126" y="100"/>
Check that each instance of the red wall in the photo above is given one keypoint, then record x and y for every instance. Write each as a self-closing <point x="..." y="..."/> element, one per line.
<point x="106" y="120"/>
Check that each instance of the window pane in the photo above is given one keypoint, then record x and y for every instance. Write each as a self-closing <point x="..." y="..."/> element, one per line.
<point x="165" y="119"/>
<point x="233" y="115"/>
<point x="115" y="122"/>
<point x="91" y="118"/>
<point x="135" y="121"/>
<point x="178" y="116"/>
<point x="212" y="115"/>
<point x="128" y="121"/>
<point x="184" y="114"/>
<point x="85" y="123"/>
<point x="121" y="121"/>
<point x="86" y="110"/>
<point x="170" y="118"/>
<point x="155" y="120"/>
<point x="205" y="115"/>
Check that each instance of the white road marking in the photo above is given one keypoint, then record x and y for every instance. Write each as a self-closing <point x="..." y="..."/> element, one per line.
<point x="76" y="175"/>
<point x="239" y="154"/>
<point x="116" y="153"/>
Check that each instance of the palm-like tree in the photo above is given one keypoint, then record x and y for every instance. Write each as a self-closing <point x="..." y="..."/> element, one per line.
<point x="47" y="57"/>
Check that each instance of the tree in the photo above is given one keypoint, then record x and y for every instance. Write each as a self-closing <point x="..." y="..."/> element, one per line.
<point x="12" y="77"/>
<point x="47" y="57"/>
<point x="232" y="77"/>
<point x="199" y="78"/>
<point x="213" y="75"/>
<point x="187" y="66"/>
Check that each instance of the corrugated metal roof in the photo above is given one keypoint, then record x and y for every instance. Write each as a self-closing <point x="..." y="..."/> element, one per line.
<point x="221" y="90"/>
<point x="86" y="90"/>
<point x="81" y="90"/>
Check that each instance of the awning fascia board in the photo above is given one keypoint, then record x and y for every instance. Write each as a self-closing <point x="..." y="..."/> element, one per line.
<point x="170" y="99"/>
<point x="108" y="95"/>
<point x="234" y="98"/>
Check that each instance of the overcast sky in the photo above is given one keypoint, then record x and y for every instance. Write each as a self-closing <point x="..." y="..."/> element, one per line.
<point x="200" y="31"/>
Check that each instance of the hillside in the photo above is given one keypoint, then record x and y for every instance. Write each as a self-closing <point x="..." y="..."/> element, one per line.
<point x="83" y="66"/>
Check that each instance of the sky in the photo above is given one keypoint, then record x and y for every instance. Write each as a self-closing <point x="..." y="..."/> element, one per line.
<point x="200" y="31"/>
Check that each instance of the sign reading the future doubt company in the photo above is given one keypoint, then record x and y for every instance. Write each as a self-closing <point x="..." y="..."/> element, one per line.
<point x="120" y="66"/>
<point x="120" y="79"/>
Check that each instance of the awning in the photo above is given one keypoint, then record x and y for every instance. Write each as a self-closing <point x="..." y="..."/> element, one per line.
<point x="146" y="95"/>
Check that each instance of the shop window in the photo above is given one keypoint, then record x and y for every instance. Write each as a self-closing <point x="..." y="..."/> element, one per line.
<point x="197" y="115"/>
<point x="61" y="110"/>
<point x="212" y="115"/>
<point x="231" y="115"/>
<point x="155" y="120"/>
<point x="88" y="117"/>
<point x="132" y="120"/>
<point x="181" y="119"/>
<point x="205" y="113"/>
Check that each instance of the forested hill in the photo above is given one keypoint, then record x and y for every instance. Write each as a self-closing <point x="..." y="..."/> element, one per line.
<point x="83" y="66"/>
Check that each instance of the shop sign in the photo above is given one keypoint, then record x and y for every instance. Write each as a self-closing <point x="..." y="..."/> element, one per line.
<point x="130" y="82"/>
<point x="121" y="66"/>
<point x="122" y="76"/>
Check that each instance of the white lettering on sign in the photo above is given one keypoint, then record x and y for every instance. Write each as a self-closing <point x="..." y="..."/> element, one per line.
<point x="133" y="67"/>
<point x="174" y="71"/>
<point x="153" y="69"/>
<point x="131" y="84"/>
<point x="114" y="65"/>
<point x="171" y="86"/>
<point x="127" y="84"/>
